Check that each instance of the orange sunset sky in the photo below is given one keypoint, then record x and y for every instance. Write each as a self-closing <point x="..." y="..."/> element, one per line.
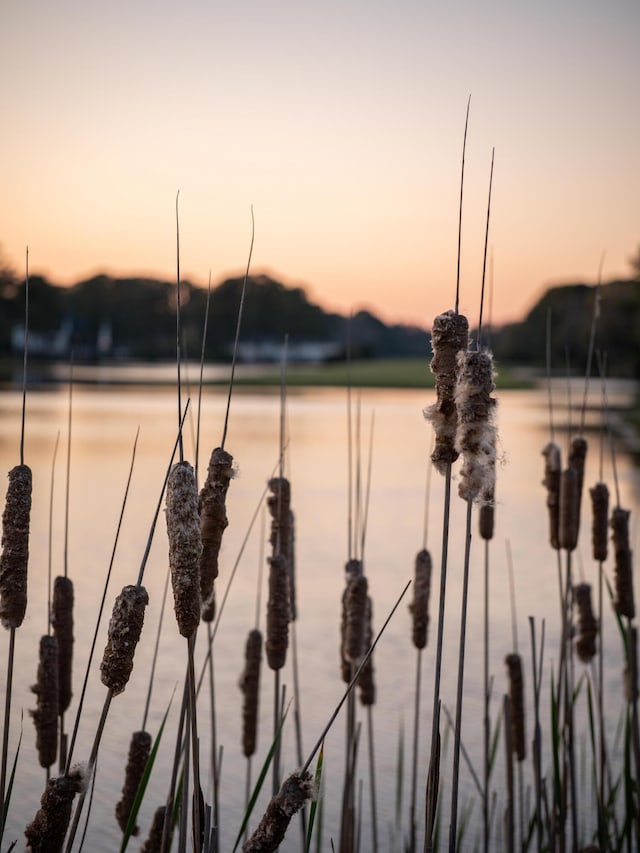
<point x="341" y="123"/>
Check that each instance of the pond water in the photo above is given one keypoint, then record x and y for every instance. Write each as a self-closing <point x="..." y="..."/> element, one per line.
<point x="103" y="429"/>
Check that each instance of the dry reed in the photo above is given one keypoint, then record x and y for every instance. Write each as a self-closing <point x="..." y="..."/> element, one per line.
<point x="139" y="749"/>
<point x="15" y="547"/>
<point x="45" y="716"/>
<point x="185" y="546"/>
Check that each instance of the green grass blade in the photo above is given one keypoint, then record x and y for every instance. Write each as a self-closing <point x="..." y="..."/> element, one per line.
<point x="142" y="787"/>
<point x="314" y="804"/>
<point x="260" y="781"/>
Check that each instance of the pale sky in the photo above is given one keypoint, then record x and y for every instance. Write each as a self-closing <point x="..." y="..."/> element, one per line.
<point x="342" y="124"/>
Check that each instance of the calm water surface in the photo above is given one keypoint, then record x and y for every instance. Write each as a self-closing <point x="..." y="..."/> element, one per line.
<point x="103" y="431"/>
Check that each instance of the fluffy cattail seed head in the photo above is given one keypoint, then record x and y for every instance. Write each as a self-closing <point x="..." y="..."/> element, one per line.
<point x="516" y="696"/>
<point x="15" y="547"/>
<point x="600" y="520"/>
<point x="45" y="716"/>
<point x="449" y="336"/>
<point x="587" y="623"/>
<point x="291" y="797"/>
<point x="476" y="435"/>
<point x="139" y="749"/>
<point x="552" y="475"/>
<point x="250" y="686"/>
<point x="46" y="832"/>
<point x="277" y="612"/>
<point x="62" y="624"/>
<point x="623" y="571"/>
<point x="124" y="632"/>
<point x="213" y="520"/>
<point x="419" y="607"/>
<point x="185" y="546"/>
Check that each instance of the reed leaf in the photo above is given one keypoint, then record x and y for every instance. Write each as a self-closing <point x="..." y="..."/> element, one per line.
<point x="314" y="803"/>
<point x="7" y="799"/>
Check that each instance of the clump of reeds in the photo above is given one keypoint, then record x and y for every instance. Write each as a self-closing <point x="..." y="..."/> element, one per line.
<point x="476" y="434"/>
<point x="295" y="791"/>
<point x="213" y="520"/>
<point x="124" y="632"/>
<point x="600" y="521"/>
<point x="449" y="336"/>
<point x="516" y="696"/>
<point x="250" y="686"/>
<point x="551" y="481"/>
<point x="587" y="623"/>
<point x="153" y="844"/>
<point x="277" y="612"/>
<point x="419" y="607"/>
<point x="623" y="570"/>
<point x="185" y="546"/>
<point x="45" y="716"/>
<point x="139" y="749"/>
<point x="15" y="547"/>
<point x="46" y="832"/>
<point x="62" y="624"/>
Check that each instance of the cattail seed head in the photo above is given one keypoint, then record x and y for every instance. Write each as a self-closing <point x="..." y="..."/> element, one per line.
<point x="516" y="697"/>
<point x="631" y="669"/>
<point x="366" y="683"/>
<point x="45" y="716"/>
<point x="600" y="520"/>
<point x="46" y="832"/>
<point x="419" y="607"/>
<point x="62" y="624"/>
<point x="623" y="571"/>
<point x="185" y="546"/>
<point x="552" y="476"/>
<point x="355" y="608"/>
<point x="587" y="623"/>
<point x="279" y="504"/>
<point x="213" y="521"/>
<point x="569" y="521"/>
<point x="153" y="844"/>
<point x="577" y="459"/>
<point x="15" y="547"/>
<point x="277" y="612"/>
<point x="291" y="797"/>
<point x="250" y="686"/>
<point x="476" y="435"/>
<point x="139" y="749"/>
<point x="449" y="336"/>
<point x="124" y="632"/>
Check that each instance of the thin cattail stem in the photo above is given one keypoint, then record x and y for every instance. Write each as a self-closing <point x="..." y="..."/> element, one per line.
<point x="592" y="338"/>
<point x="372" y="779"/>
<point x="536" y="744"/>
<point x="178" y="329"/>
<point x="195" y="749"/>
<point x="5" y="728"/>
<point x="509" y="824"/>
<point x="215" y="760"/>
<point x="50" y="549"/>
<point x="202" y="352"/>
<point x="179" y="747"/>
<point x="512" y="597"/>
<point x="487" y="704"/>
<point x="154" y="659"/>
<point x="414" y="766"/>
<point x="486" y="243"/>
<point x="464" y="146"/>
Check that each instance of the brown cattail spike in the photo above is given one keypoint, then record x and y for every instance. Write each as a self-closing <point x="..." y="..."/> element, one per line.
<point x="577" y="459"/>
<point x="153" y="844"/>
<point x="279" y="503"/>
<point x="552" y="474"/>
<point x="600" y="521"/>
<point x="476" y="435"/>
<point x="125" y="628"/>
<point x="366" y="683"/>
<point x="449" y="336"/>
<point x="185" y="546"/>
<point x="250" y="686"/>
<point x="45" y="716"/>
<point x="139" y="749"/>
<point x="213" y="520"/>
<point x="419" y="607"/>
<point x="291" y="555"/>
<point x="46" y="832"/>
<point x="587" y="623"/>
<point x="277" y="612"/>
<point x="15" y="547"/>
<point x="569" y="523"/>
<point x="274" y="823"/>
<point x="516" y="697"/>
<point x="355" y="608"/>
<point x="62" y="624"/>
<point x="623" y="572"/>
<point x="631" y="669"/>
<point x="486" y="517"/>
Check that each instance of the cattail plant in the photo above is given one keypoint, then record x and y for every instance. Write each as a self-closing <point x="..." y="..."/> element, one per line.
<point x="587" y="623"/>
<point x="419" y="607"/>
<point x="124" y="632"/>
<point x="599" y="526"/>
<point x="153" y="844"/>
<point x="213" y="520"/>
<point x="62" y="624"/>
<point x="15" y="547"/>
<point x="139" y="749"/>
<point x="45" y="716"/>
<point x="295" y="791"/>
<point x="513" y="663"/>
<point x="624" y="602"/>
<point x="46" y="832"/>
<point x="185" y="546"/>
<point x="551" y="481"/>
<point x="569" y="515"/>
<point x="250" y="687"/>
<point x="476" y="435"/>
